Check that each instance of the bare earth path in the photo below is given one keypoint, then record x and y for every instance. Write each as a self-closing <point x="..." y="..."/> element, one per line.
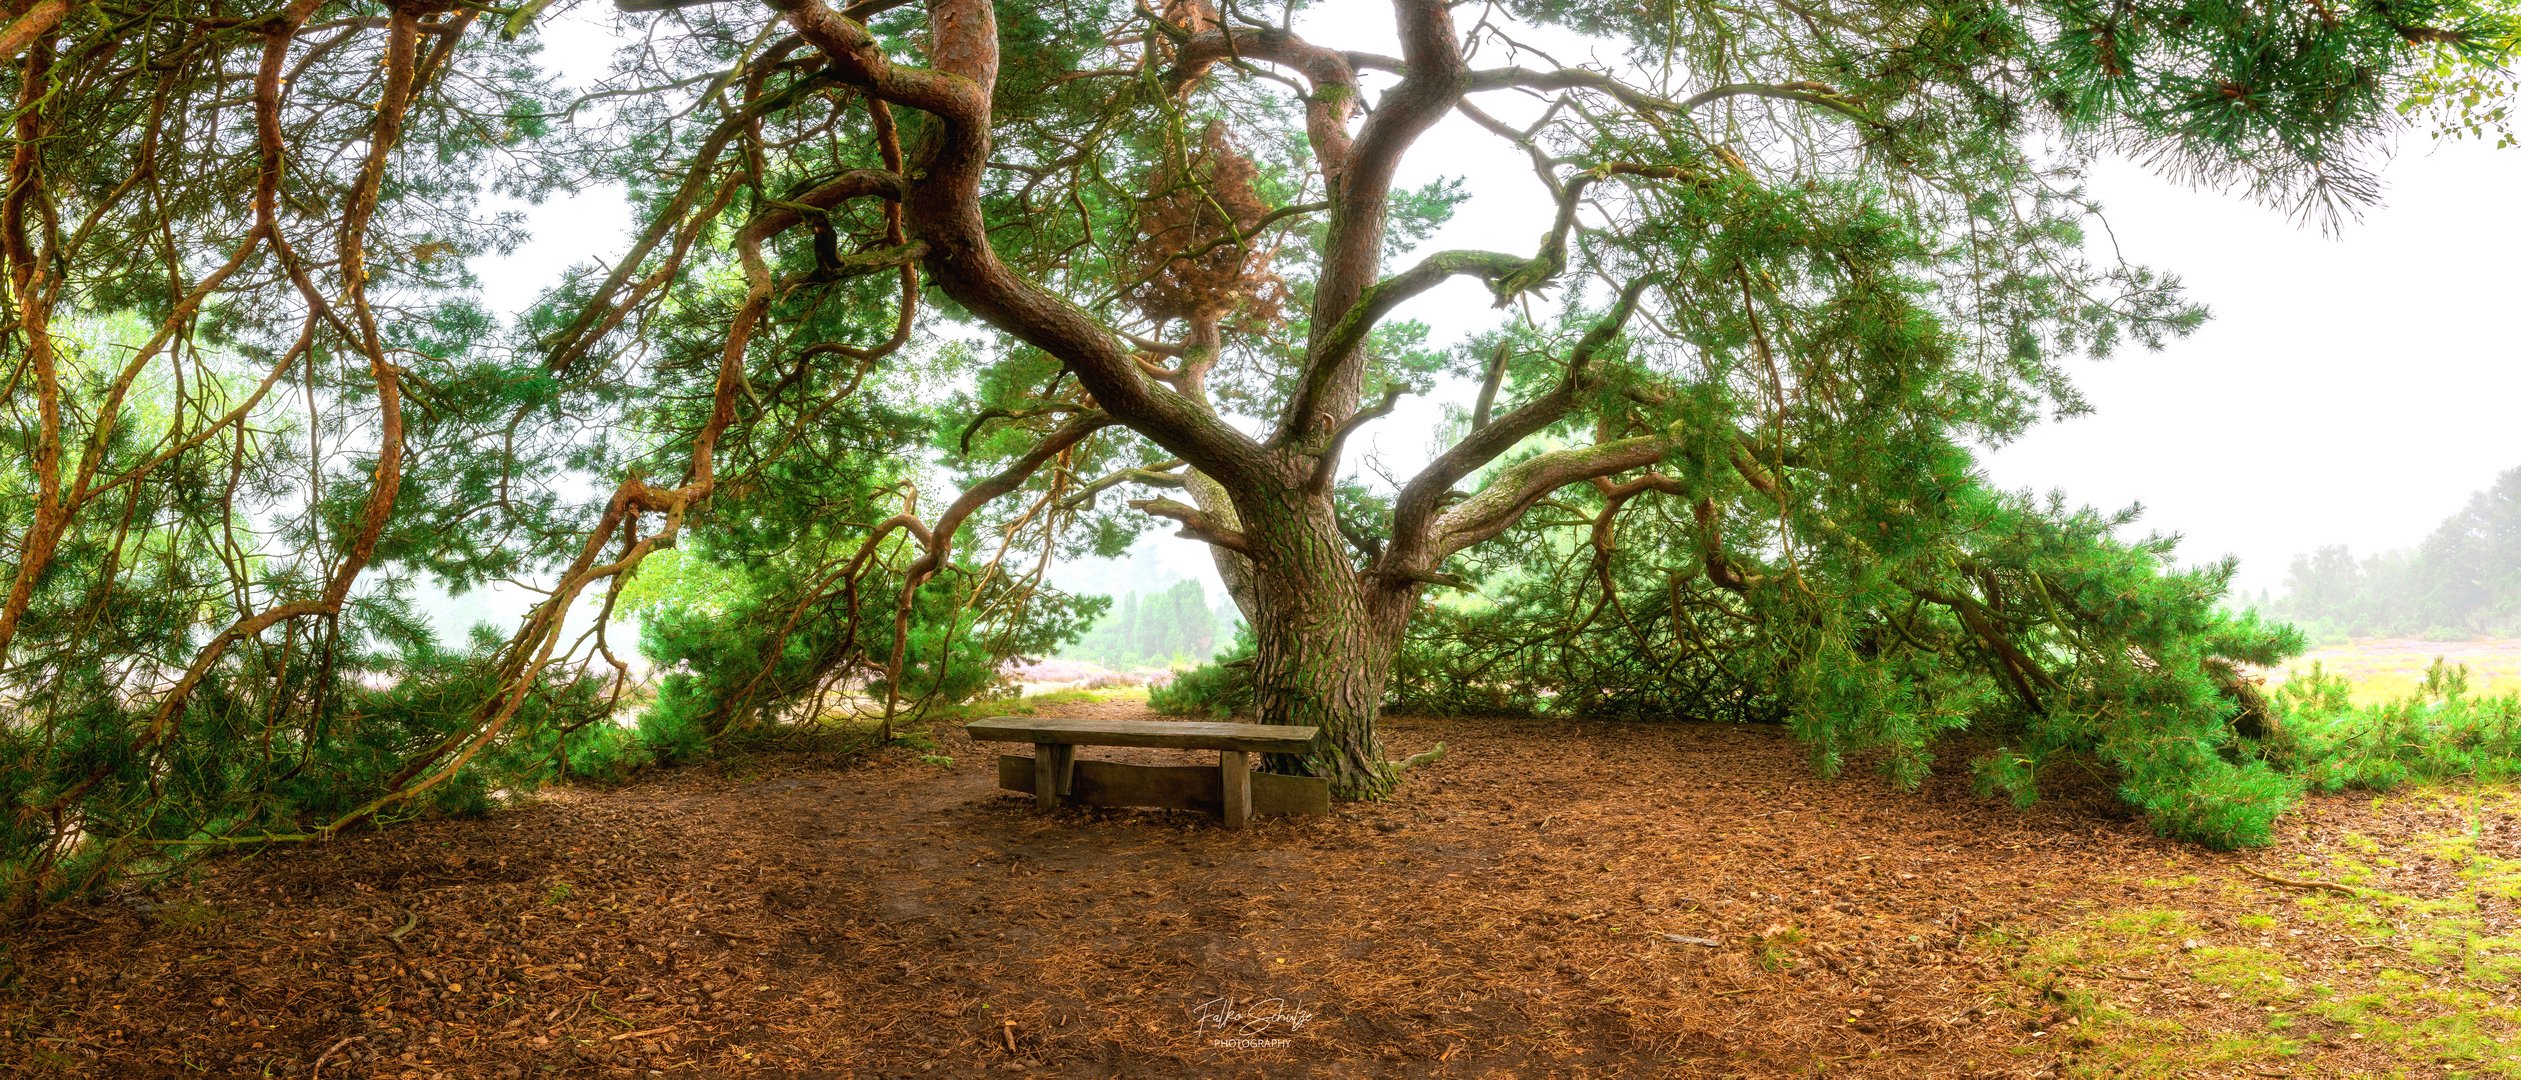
<point x="1549" y="900"/>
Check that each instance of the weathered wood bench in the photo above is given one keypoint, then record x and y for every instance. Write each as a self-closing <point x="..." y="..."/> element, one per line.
<point x="1230" y="790"/>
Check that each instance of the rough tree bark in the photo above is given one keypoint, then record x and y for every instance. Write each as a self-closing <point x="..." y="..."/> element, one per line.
<point x="1326" y="637"/>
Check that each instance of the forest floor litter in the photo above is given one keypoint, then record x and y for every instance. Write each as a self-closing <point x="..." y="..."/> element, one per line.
<point x="1549" y="899"/>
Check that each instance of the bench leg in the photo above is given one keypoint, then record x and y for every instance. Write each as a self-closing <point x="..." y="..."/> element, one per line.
<point x="1054" y="766"/>
<point x="1237" y="767"/>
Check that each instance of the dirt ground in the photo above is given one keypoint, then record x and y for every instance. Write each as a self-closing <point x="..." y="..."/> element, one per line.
<point x="1549" y="900"/>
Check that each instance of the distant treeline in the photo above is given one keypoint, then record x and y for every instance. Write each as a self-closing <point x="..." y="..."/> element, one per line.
<point x="2463" y="581"/>
<point x="1174" y="626"/>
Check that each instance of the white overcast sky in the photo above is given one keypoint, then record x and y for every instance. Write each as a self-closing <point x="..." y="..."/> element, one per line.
<point x="2350" y="389"/>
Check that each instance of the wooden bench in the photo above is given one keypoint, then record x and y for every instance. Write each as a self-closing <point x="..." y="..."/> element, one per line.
<point x="1230" y="790"/>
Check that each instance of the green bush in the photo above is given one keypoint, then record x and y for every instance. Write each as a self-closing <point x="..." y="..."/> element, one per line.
<point x="1890" y="622"/>
<point x="227" y="774"/>
<point x="2436" y="733"/>
<point x="1216" y="690"/>
<point x="722" y="625"/>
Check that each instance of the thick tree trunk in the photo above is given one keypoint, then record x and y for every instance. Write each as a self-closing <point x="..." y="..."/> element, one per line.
<point x="1326" y="638"/>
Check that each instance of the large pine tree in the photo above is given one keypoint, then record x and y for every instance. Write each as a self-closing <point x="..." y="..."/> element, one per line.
<point x="1799" y="259"/>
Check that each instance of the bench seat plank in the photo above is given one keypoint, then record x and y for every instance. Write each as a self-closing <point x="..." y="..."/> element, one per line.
<point x="1165" y="734"/>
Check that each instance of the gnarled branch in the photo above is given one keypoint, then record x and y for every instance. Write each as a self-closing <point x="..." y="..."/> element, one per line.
<point x="1196" y="524"/>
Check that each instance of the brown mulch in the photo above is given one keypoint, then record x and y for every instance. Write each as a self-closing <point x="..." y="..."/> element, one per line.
<point x="1548" y="900"/>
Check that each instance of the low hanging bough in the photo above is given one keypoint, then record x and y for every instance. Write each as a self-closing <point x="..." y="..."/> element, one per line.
<point x="1112" y="265"/>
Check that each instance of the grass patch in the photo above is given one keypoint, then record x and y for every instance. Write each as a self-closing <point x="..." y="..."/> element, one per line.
<point x="2254" y="975"/>
<point x="2429" y="990"/>
<point x="2423" y="1021"/>
<point x="2424" y="981"/>
<point x="2100" y="1035"/>
<point x="2163" y="1049"/>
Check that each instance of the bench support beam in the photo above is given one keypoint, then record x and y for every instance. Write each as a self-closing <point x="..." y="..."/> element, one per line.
<point x="1237" y="767"/>
<point x="1053" y="766"/>
<point x="1197" y="788"/>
